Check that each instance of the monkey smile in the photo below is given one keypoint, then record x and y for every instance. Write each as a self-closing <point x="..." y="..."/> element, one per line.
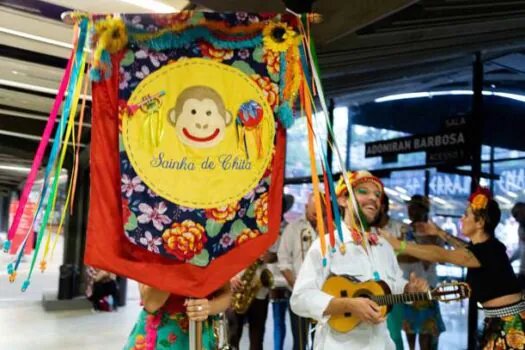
<point x="200" y="139"/>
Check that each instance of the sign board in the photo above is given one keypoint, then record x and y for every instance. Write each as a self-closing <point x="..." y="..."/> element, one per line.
<point x="448" y="146"/>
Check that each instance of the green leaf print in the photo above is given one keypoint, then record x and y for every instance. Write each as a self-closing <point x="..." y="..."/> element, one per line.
<point x="196" y="18"/>
<point x="274" y="76"/>
<point x="201" y="260"/>
<point x="121" y="147"/>
<point x="132" y="223"/>
<point x="213" y="228"/>
<point x="251" y="210"/>
<point x="237" y="227"/>
<point x="258" y="54"/>
<point x="244" y="67"/>
<point x="128" y="59"/>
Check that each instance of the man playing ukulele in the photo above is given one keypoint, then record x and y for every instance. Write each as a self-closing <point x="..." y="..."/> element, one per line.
<point x="363" y="256"/>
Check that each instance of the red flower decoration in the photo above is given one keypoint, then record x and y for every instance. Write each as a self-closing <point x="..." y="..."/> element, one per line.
<point x="246" y="235"/>
<point x="480" y="198"/>
<point x="208" y="50"/>
<point x="126" y="213"/>
<point x="122" y="112"/>
<point x="223" y="214"/>
<point x="270" y="89"/>
<point x="167" y="20"/>
<point x="184" y="240"/>
<point x="172" y="338"/>
<point x="273" y="61"/>
<point x="184" y="324"/>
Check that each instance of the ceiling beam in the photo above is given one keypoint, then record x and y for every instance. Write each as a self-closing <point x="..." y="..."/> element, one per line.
<point x="242" y="5"/>
<point x="33" y="116"/>
<point x="342" y="18"/>
<point x="31" y="137"/>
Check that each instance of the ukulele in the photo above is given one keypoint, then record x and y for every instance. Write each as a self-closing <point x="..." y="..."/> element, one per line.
<point x="378" y="291"/>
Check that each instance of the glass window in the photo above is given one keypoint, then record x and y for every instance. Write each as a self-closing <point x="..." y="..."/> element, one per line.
<point x="504" y="153"/>
<point x="507" y="190"/>
<point x="297" y="154"/>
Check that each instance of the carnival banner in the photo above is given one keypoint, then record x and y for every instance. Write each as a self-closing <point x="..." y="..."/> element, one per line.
<point x="188" y="141"/>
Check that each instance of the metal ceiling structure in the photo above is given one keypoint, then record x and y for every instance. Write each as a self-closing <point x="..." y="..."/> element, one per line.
<point x="367" y="49"/>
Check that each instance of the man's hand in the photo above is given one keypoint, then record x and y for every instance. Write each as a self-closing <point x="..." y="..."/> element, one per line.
<point x="365" y="310"/>
<point x="236" y="283"/>
<point x="416" y="284"/>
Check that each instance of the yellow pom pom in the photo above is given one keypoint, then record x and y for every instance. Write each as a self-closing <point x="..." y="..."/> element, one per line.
<point x="12" y="277"/>
<point x="43" y="266"/>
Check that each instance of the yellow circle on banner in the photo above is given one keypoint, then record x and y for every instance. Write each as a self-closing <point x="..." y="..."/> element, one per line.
<point x="182" y="138"/>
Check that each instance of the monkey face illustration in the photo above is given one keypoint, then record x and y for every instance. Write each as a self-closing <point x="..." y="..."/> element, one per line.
<point x="200" y="117"/>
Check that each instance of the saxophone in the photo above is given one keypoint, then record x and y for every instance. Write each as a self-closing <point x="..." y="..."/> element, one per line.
<point x="220" y="332"/>
<point x="241" y="300"/>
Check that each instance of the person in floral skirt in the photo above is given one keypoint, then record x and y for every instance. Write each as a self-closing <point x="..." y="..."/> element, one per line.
<point x="164" y="321"/>
<point x="490" y="273"/>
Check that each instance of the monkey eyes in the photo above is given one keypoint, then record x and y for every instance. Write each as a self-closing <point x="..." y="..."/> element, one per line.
<point x="193" y="111"/>
<point x="208" y="113"/>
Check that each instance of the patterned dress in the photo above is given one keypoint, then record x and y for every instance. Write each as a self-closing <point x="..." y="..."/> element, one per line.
<point x="167" y="328"/>
<point x="502" y="333"/>
<point x="422" y="317"/>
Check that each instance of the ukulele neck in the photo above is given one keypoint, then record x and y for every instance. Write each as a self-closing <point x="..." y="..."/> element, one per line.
<point x="402" y="298"/>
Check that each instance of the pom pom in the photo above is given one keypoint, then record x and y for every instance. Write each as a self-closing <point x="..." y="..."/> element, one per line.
<point x="94" y="74"/>
<point x="285" y="114"/>
<point x="10" y="269"/>
<point x="43" y="265"/>
<point x="12" y="277"/>
<point x="376" y="276"/>
<point x="7" y="246"/>
<point x="25" y="285"/>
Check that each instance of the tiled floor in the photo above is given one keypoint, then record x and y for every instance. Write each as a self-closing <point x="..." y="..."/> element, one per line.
<point x="24" y="325"/>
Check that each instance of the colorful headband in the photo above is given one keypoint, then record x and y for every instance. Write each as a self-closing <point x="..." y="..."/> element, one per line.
<point x="356" y="178"/>
<point x="480" y="199"/>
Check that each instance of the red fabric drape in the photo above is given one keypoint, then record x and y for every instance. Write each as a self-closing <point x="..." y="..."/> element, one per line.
<point x="107" y="247"/>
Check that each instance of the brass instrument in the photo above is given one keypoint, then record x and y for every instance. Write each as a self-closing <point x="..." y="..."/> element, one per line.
<point x="241" y="300"/>
<point x="220" y="332"/>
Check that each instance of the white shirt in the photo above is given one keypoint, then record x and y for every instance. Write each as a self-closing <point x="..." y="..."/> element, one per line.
<point x="308" y="300"/>
<point x="296" y="239"/>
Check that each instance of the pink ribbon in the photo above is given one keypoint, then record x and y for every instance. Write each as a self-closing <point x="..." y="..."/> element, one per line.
<point x="41" y="149"/>
<point x="152" y="324"/>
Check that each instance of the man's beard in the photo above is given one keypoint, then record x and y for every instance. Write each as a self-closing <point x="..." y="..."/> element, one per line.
<point x="369" y="221"/>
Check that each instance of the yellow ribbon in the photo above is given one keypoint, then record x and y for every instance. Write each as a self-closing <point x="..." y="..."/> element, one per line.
<point x="70" y="127"/>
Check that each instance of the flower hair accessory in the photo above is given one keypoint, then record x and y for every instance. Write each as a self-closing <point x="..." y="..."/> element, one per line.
<point x="480" y="199"/>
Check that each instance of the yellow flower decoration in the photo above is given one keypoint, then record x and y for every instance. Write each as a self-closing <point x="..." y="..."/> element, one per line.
<point x="278" y="37"/>
<point x="110" y="35"/>
<point x="479" y="202"/>
<point x="516" y="339"/>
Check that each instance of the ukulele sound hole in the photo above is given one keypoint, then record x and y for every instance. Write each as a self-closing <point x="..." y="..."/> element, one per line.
<point x="344" y="294"/>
